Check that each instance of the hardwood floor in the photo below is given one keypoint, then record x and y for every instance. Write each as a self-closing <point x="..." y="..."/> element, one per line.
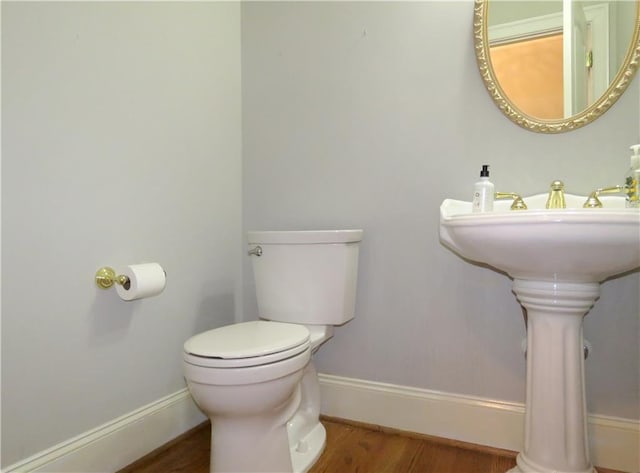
<point x="356" y="448"/>
<point x="351" y="448"/>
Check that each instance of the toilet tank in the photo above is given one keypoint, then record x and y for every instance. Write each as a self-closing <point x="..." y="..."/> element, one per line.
<point x="306" y="277"/>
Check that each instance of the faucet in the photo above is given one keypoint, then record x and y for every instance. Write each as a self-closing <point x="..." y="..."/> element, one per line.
<point x="593" y="202"/>
<point x="556" y="196"/>
<point x="518" y="203"/>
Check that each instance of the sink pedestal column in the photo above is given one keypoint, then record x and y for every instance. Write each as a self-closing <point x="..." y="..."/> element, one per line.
<point x="555" y="417"/>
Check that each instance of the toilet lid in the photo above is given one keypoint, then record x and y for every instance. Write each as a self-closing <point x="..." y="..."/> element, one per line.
<point x="247" y="340"/>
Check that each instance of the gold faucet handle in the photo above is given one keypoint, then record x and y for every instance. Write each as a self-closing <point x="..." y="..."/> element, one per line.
<point x="594" y="203"/>
<point x="518" y="202"/>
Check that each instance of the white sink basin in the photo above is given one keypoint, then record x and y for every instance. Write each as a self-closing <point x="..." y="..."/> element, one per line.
<point x="557" y="259"/>
<point x="572" y="244"/>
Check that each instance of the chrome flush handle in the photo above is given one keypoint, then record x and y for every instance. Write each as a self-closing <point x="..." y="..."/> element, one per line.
<point x="256" y="251"/>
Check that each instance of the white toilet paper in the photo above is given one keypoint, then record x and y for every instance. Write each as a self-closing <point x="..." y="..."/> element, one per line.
<point x="145" y="280"/>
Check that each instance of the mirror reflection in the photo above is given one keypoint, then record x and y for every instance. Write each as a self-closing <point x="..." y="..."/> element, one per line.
<point x="554" y="59"/>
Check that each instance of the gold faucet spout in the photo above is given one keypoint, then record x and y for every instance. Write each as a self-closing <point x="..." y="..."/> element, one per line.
<point x="556" y="196"/>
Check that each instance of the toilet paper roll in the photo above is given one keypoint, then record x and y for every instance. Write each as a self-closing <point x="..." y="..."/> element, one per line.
<point x="145" y="280"/>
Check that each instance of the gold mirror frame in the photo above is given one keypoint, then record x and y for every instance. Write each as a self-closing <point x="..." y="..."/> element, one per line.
<point x="599" y="107"/>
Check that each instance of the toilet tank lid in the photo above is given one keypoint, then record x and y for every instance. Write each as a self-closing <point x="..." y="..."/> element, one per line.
<point x="247" y="339"/>
<point x="304" y="236"/>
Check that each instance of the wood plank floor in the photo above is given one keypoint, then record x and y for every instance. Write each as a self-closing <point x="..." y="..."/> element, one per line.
<point x="357" y="448"/>
<point x="351" y="448"/>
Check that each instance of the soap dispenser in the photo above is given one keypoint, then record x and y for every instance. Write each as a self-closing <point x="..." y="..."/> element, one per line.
<point x="483" y="192"/>
<point x="632" y="179"/>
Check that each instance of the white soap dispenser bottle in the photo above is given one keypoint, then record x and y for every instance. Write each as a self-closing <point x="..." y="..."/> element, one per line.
<point x="483" y="192"/>
<point x="632" y="179"/>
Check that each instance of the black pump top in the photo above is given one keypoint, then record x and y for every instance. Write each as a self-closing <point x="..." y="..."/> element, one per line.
<point x="485" y="171"/>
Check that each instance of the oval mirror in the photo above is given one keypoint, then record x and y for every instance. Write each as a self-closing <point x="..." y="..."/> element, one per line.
<point x="554" y="66"/>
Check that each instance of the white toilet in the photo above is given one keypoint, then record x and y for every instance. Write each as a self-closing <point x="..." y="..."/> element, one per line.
<point x="255" y="380"/>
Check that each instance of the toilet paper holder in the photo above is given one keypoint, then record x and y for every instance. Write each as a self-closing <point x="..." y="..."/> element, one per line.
<point x="106" y="277"/>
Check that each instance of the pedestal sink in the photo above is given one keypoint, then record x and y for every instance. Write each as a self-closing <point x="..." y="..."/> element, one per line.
<point x="557" y="259"/>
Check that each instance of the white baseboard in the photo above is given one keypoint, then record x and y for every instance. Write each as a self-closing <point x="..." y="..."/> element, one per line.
<point x="116" y="444"/>
<point x="614" y="442"/>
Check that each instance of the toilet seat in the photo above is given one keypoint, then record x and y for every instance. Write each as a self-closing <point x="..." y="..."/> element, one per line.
<point x="246" y="344"/>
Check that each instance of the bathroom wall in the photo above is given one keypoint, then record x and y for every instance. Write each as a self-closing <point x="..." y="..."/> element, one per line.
<point x="367" y="115"/>
<point x="121" y="143"/>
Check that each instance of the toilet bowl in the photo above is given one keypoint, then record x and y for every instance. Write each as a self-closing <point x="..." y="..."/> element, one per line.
<point x="247" y="383"/>
<point x="255" y="380"/>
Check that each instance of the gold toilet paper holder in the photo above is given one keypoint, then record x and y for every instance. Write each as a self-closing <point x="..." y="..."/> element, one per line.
<point x="106" y="277"/>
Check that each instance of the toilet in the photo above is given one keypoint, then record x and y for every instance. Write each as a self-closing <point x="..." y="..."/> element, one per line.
<point x="256" y="380"/>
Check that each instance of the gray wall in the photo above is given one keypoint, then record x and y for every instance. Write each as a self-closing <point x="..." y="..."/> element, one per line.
<point x="120" y="144"/>
<point x="370" y="114"/>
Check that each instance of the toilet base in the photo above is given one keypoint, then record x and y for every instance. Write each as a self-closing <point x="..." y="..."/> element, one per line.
<point x="308" y="449"/>
<point x="307" y="436"/>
